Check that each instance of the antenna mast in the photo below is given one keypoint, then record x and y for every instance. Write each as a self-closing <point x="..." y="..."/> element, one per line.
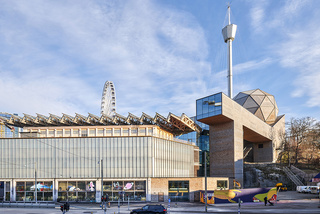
<point x="229" y="32"/>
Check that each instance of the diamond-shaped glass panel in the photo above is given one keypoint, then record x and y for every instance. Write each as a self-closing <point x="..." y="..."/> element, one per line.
<point x="250" y="103"/>
<point x="242" y="100"/>
<point x="252" y="110"/>
<point x="258" y="98"/>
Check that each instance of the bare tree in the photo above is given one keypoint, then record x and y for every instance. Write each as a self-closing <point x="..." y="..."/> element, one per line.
<point x="300" y="130"/>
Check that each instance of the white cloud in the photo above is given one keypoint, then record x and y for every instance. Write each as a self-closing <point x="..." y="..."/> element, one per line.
<point x="257" y="14"/>
<point x="56" y="56"/>
<point x="300" y="51"/>
<point x="267" y="15"/>
<point x="220" y="78"/>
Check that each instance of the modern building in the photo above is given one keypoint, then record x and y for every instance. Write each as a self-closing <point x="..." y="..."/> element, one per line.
<point x="202" y="141"/>
<point x="79" y="158"/>
<point x="237" y="127"/>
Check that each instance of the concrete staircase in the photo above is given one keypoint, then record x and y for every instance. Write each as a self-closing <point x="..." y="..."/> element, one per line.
<point x="294" y="178"/>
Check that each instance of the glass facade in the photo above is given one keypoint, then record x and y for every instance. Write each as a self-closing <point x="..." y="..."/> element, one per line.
<point x="202" y="141"/>
<point x="179" y="191"/>
<point x="209" y="106"/>
<point x="25" y="191"/>
<point x="77" y="191"/>
<point x="134" y="190"/>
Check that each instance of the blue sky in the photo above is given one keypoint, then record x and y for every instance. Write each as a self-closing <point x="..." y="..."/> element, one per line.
<point x="55" y="55"/>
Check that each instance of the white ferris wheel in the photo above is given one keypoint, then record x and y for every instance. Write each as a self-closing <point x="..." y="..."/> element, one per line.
<point x="108" y="101"/>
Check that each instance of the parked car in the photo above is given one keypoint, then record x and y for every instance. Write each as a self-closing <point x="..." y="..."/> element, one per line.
<point x="306" y="190"/>
<point x="159" y="209"/>
<point x="300" y="188"/>
<point x="314" y="190"/>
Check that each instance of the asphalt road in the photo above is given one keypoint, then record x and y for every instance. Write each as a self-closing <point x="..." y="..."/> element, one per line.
<point x="289" y="202"/>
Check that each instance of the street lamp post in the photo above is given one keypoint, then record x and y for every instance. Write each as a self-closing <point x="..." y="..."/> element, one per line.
<point x="35" y="178"/>
<point x="205" y="180"/>
<point x="101" y="177"/>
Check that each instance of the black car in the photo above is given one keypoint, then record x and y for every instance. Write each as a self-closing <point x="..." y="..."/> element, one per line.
<point x="150" y="209"/>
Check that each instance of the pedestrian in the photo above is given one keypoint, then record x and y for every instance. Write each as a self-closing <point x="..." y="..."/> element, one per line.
<point x="266" y="201"/>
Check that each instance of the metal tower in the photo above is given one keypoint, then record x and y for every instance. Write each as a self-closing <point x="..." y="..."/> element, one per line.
<point x="229" y="32"/>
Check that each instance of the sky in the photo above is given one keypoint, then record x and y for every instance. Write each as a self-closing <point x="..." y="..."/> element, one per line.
<point x="162" y="55"/>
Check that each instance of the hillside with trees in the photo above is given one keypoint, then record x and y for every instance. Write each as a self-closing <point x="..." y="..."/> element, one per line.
<point x="301" y="144"/>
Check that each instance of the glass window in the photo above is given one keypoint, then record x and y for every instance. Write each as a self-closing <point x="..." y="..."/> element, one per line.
<point x="84" y="132"/>
<point x="81" y="196"/>
<point x="48" y="186"/>
<point x="117" y="185"/>
<point x="43" y="133"/>
<point x="7" y="196"/>
<point x="209" y="106"/>
<point x="92" y="132"/>
<point x="63" y="186"/>
<point x="128" y="186"/>
<point x="140" y="196"/>
<point x="81" y="186"/>
<point x="179" y="190"/>
<point x="116" y="132"/>
<point x="125" y="132"/>
<point x="7" y="184"/>
<point x="48" y="196"/>
<point x="199" y="107"/>
<point x="72" y="185"/>
<point x="30" y="186"/>
<point x="51" y="133"/>
<point x="142" y="131"/>
<point x="62" y="196"/>
<point x="129" y="195"/>
<point x="108" y="132"/>
<point x="140" y="185"/>
<point x="20" y="186"/>
<point x="29" y="196"/>
<point x="91" y="196"/>
<point x="20" y="196"/>
<point x="107" y="186"/>
<point x="59" y="133"/>
<point x="91" y="186"/>
<point x="39" y="196"/>
<point x="134" y="132"/>
<point x="72" y="196"/>
<point x="100" y="132"/>
<point x="67" y="133"/>
<point x="222" y="184"/>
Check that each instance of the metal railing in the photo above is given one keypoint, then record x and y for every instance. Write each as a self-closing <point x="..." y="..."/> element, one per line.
<point x="292" y="177"/>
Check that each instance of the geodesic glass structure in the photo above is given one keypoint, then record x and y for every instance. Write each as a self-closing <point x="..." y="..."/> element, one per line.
<point x="259" y="103"/>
